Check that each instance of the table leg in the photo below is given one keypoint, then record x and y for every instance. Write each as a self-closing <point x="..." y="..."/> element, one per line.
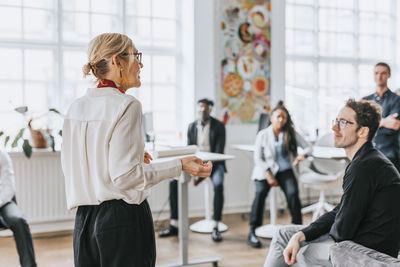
<point x="183" y="218"/>
<point x="183" y="210"/>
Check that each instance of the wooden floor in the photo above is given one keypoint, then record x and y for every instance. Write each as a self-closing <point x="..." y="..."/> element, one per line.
<point x="56" y="249"/>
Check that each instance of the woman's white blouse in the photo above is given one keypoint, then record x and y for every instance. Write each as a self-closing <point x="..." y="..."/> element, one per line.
<point x="103" y="151"/>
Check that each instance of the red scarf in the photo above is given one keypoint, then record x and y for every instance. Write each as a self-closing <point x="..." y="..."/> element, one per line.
<point x="109" y="83"/>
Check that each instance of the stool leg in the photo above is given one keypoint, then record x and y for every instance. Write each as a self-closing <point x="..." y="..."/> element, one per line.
<point x="272" y="205"/>
<point x="207" y="201"/>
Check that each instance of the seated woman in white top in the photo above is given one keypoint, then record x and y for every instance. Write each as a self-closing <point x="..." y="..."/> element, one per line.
<point x="274" y="157"/>
<point x="103" y="160"/>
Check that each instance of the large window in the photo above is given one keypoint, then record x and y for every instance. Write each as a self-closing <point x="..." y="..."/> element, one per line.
<point x="43" y="47"/>
<point x="331" y="49"/>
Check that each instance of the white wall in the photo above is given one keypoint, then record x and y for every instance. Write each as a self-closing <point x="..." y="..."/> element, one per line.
<point x="238" y="186"/>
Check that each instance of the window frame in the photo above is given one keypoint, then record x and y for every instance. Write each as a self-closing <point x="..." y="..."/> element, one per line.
<point x="355" y="60"/>
<point x="58" y="46"/>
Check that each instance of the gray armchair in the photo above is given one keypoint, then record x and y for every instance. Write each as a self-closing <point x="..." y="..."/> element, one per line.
<point x="350" y="254"/>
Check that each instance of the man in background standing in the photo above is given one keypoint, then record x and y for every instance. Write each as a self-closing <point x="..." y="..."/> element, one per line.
<point x="387" y="136"/>
<point x="208" y="134"/>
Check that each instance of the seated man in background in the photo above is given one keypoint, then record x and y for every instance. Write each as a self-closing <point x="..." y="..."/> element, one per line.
<point x="208" y="134"/>
<point x="10" y="214"/>
<point x="368" y="212"/>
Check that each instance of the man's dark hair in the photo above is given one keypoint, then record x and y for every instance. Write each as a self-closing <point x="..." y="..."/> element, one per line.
<point x="383" y="64"/>
<point x="206" y="101"/>
<point x="368" y="114"/>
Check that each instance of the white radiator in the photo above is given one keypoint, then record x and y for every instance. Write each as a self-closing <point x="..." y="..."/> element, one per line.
<point x="40" y="191"/>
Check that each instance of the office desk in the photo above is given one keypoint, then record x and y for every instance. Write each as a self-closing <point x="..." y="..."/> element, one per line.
<point x="183" y="212"/>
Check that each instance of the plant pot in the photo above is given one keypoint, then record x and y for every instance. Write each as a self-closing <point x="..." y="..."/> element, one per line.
<point x="38" y="140"/>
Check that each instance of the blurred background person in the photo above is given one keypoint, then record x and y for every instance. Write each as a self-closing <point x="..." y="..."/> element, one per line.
<point x="11" y="215"/>
<point x="208" y="134"/>
<point x="275" y="156"/>
<point x="387" y="136"/>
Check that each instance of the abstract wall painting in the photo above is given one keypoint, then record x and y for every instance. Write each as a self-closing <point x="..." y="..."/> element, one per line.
<point x="245" y="47"/>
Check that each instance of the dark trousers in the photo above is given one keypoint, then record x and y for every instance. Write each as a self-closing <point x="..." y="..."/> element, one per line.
<point x="114" y="234"/>
<point x="217" y="178"/>
<point x="287" y="181"/>
<point x="11" y="216"/>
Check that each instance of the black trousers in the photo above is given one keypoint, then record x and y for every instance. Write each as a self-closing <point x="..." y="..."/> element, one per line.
<point x="11" y="216"/>
<point x="217" y="178"/>
<point x="114" y="234"/>
<point x="287" y="181"/>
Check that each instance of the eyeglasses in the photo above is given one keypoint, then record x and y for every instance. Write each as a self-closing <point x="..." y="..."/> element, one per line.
<point x="341" y="123"/>
<point x="138" y="55"/>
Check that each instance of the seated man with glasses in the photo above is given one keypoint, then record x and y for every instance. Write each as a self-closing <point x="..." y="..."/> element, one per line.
<point x="368" y="212"/>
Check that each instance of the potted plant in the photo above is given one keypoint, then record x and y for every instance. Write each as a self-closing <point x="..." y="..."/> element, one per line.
<point x="41" y="137"/>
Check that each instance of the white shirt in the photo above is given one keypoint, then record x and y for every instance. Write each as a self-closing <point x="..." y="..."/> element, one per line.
<point x="265" y="154"/>
<point x="7" y="179"/>
<point x="203" y="136"/>
<point x="103" y="151"/>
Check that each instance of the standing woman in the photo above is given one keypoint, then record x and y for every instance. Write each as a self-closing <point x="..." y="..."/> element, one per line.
<point x="103" y="160"/>
<point x="274" y="157"/>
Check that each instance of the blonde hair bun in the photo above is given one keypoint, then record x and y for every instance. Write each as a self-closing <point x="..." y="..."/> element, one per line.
<point x="101" y="50"/>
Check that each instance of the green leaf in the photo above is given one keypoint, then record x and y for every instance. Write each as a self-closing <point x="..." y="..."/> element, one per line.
<point x="52" y="143"/>
<point x="17" y="137"/>
<point x="6" y="140"/>
<point x="27" y="148"/>
<point x="1" y="133"/>
<point x="55" y="111"/>
<point x="22" y="109"/>
<point x="60" y="133"/>
<point x="46" y="136"/>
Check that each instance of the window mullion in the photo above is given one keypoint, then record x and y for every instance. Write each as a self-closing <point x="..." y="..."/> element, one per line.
<point x="356" y="46"/>
<point x="124" y="17"/>
<point x="316" y="62"/>
<point x="59" y="58"/>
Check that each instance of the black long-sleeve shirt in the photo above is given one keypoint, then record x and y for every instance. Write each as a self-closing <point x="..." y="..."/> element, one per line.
<point x="369" y="210"/>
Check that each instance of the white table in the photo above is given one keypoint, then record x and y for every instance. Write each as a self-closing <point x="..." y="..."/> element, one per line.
<point x="183" y="220"/>
<point x="326" y="152"/>
<point x="323" y="152"/>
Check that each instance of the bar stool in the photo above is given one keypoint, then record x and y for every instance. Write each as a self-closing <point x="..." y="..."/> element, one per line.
<point x="206" y="225"/>
<point x="268" y="230"/>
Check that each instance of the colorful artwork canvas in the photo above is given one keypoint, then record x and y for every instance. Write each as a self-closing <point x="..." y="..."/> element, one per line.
<point x="245" y="47"/>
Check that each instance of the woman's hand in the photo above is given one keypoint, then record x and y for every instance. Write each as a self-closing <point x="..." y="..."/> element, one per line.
<point x="299" y="158"/>
<point x="147" y="158"/>
<point x="196" y="167"/>
<point x="271" y="180"/>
